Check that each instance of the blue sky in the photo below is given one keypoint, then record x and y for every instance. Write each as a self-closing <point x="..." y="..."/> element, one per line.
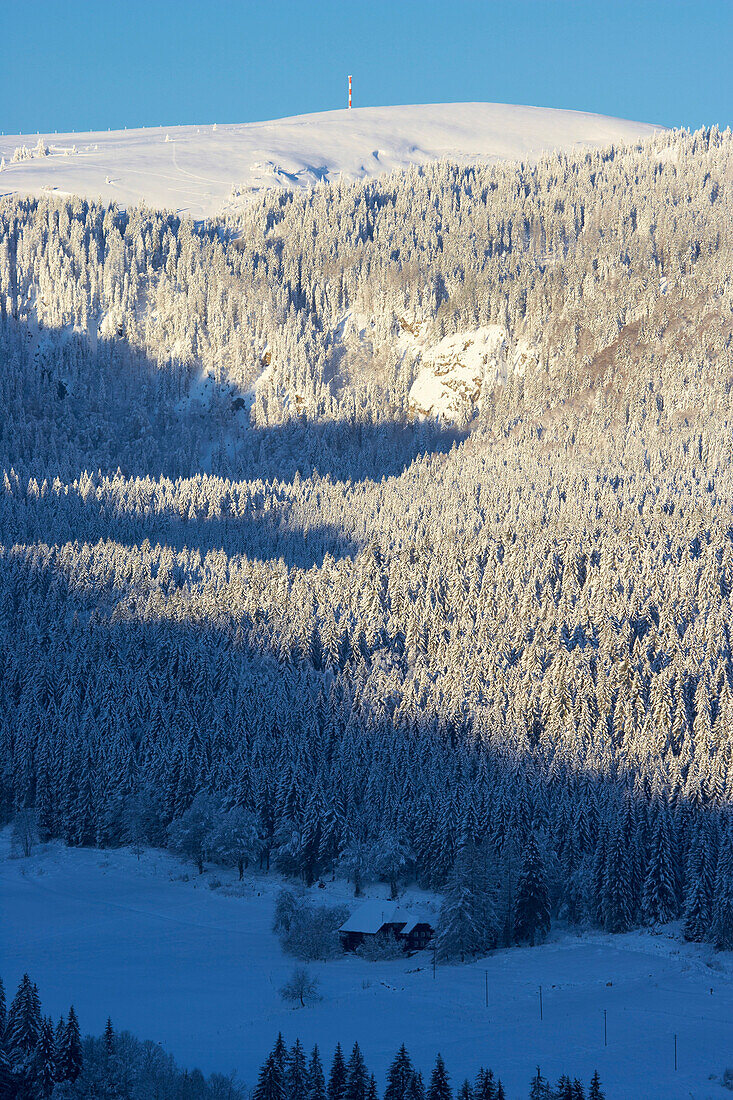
<point x="77" y="64"/>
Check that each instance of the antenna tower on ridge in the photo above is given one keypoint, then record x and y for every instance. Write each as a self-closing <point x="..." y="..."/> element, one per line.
<point x="349" y="93"/>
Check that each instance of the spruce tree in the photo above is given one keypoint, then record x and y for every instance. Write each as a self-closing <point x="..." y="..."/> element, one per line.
<point x="296" y="1073"/>
<point x="58" y="1038"/>
<point x="698" y="895"/>
<point x="532" y="903"/>
<point x="439" y="1088"/>
<point x="595" y="1092"/>
<point x="540" y="1088"/>
<point x="280" y="1053"/>
<point x="722" y="923"/>
<point x="468" y="923"/>
<point x="337" y="1077"/>
<point x="484" y="1087"/>
<point x="563" y="1089"/>
<point x="69" y="1057"/>
<point x="618" y="905"/>
<point x="465" y="1092"/>
<point x="598" y="876"/>
<point x="44" y="1060"/>
<point x="23" y="1026"/>
<point x="58" y="1035"/>
<point x="270" y="1082"/>
<point x="399" y="1076"/>
<point x="357" y="1078"/>
<point x="109" y="1038"/>
<point x="316" y="1079"/>
<point x="416" y="1087"/>
<point x="659" y="897"/>
<point x="6" y="1080"/>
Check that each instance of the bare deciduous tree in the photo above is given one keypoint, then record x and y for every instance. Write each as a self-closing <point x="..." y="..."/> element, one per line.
<point x="301" y="988"/>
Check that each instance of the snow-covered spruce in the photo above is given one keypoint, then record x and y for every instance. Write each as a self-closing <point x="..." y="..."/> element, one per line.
<point x="287" y="1074"/>
<point x="234" y="568"/>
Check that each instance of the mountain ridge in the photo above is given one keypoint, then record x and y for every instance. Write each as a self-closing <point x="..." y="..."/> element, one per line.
<point x="204" y="171"/>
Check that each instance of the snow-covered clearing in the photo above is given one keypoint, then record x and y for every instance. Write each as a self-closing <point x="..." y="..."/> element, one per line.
<point x="202" y="170"/>
<point x="200" y="970"/>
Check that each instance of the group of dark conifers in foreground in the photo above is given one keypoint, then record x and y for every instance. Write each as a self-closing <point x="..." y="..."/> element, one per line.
<point x="289" y="1075"/>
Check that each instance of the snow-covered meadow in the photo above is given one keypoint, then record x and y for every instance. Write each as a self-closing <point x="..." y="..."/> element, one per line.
<point x="199" y="969"/>
<point x="205" y="170"/>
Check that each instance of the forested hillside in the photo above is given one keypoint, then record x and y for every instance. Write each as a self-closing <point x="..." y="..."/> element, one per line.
<point x="492" y="652"/>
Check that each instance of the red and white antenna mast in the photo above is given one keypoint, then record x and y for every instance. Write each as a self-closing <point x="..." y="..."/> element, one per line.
<point x="349" y="92"/>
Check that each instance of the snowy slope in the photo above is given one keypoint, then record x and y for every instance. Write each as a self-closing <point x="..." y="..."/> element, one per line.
<point x="194" y="169"/>
<point x="200" y="971"/>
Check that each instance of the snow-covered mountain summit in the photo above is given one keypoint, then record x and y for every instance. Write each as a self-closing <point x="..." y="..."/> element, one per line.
<point x="204" y="170"/>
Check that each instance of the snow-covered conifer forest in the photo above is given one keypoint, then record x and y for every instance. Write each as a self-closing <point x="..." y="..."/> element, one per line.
<point x="484" y="638"/>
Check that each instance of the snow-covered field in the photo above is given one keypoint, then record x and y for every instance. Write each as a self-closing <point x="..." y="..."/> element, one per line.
<point x="200" y="971"/>
<point x="201" y="170"/>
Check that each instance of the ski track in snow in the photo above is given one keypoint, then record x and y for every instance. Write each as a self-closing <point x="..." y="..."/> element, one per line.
<point x="293" y="152"/>
<point x="182" y="171"/>
<point x="200" y="971"/>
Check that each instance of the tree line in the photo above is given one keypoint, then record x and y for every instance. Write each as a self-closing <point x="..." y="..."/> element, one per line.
<point x="288" y="1074"/>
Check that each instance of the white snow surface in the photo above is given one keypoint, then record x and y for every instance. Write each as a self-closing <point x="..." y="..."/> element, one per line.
<point x="200" y="969"/>
<point x="205" y="170"/>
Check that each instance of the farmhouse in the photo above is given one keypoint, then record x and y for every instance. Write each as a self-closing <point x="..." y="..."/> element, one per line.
<point x="376" y="918"/>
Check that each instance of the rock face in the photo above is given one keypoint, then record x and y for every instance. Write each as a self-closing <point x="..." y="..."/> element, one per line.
<point x="454" y="371"/>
